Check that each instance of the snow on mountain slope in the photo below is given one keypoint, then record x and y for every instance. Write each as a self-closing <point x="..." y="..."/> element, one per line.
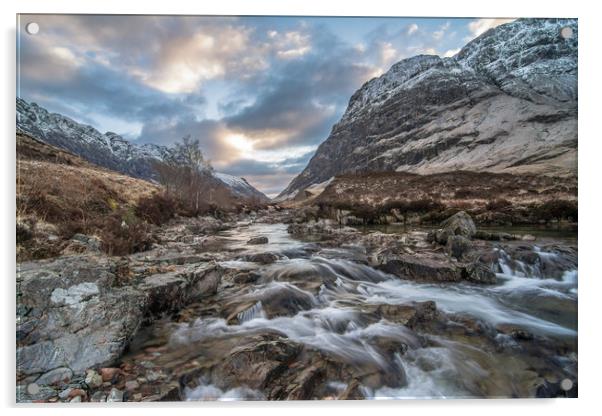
<point x="507" y="102"/>
<point x="108" y="150"/>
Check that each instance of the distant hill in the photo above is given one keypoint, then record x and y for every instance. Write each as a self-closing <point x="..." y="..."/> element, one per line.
<point x="109" y="150"/>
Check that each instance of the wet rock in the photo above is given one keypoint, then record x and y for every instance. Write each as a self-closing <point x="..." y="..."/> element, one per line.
<point x="528" y="237"/>
<point x="493" y="236"/>
<point x="458" y="246"/>
<point x="514" y="331"/>
<point x="255" y="363"/>
<point x="262" y="258"/>
<point x="168" y="292"/>
<point x="410" y="314"/>
<point x="258" y="240"/>
<point x="352" y="392"/>
<point x="422" y="267"/>
<point x="479" y="272"/>
<point x="170" y="393"/>
<point x="58" y="375"/>
<point x="246" y="277"/>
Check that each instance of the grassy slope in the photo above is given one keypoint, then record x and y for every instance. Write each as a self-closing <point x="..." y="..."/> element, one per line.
<point x="59" y="194"/>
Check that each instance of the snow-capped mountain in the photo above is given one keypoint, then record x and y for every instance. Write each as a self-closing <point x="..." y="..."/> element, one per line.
<point x="108" y="150"/>
<point x="507" y="102"/>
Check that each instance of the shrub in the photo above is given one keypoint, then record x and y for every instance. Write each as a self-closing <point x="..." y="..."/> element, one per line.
<point x="156" y="209"/>
<point x="123" y="234"/>
<point x="498" y="204"/>
<point x="557" y="210"/>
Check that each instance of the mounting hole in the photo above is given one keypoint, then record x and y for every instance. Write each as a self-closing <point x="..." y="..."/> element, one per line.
<point x="566" y="384"/>
<point x="566" y="32"/>
<point x="32" y="28"/>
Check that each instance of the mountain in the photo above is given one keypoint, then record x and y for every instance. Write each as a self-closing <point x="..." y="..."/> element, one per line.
<point x="507" y="102"/>
<point x="109" y="150"/>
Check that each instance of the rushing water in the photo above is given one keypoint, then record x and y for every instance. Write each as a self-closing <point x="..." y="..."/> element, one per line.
<point x="317" y="296"/>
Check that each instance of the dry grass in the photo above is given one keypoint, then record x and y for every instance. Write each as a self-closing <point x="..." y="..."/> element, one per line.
<point x="68" y="195"/>
<point x="498" y="197"/>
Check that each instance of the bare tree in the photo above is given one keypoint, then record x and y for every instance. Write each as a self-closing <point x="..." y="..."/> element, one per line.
<point x="187" y="175"/>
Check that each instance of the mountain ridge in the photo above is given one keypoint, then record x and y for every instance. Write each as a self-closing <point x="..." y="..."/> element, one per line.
<point x="108" y="150"/>
<point x="506" y="102"/>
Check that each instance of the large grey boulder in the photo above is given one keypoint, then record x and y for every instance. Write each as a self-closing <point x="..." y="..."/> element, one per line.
<point x="70" y="315"/>
<point x="73" y="313"/>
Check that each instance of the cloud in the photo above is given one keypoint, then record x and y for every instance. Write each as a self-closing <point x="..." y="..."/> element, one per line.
<point x="451" y="52"/>
<point x="259" y="93"/>
<point x="480" y="26"/>
<point x="438" y="34"/>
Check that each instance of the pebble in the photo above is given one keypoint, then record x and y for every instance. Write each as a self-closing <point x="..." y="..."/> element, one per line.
<point x="93" y="379"/>
<point x="99" y="396"/>
<point x="154" y="375"/>
<point x="109" y="374"/>
<point x="115" y="395"/>
<point x="65" y="393"/>
<point x="131" y="385"/>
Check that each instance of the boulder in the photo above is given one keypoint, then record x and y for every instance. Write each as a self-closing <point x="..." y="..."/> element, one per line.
<point x="431" y="267"/>
<point x="410" y="314"/>
<point x="262" y="258"/>
<point x="459" y="224"/>
<point x="168" y="292"/>
<point x="73" y="315"/>
<point x="458" y="246"/>
<point x="255" y="363"/>
<point x="258" y="240"/>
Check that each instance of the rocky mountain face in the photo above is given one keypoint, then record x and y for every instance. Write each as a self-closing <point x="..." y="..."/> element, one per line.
<point x="108" y="150"/>
<point x="507" y="102"/>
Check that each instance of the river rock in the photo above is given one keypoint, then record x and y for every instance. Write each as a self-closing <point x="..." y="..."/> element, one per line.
<point x="255" y="363"/>
<point x="80" y="319"/>
<point x="262" y="258"/>
<point x="420" y="266"/>
<point x="110" y="374"/>
<point x="115" y="395"/>
<point x="168" y="292"/>
<point x="479" y="272"/>
<point x="409" y="314"/>
<point x="458" y="246"/>
<point x="460" y="224"/>
<point x="58" y="375"/>
<point x="93" y="379"/>
<point x="258" y="240"/>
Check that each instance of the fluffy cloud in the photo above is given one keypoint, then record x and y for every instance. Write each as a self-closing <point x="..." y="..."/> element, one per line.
<point x="480" y="26"/>
<point x="259" y="93"/>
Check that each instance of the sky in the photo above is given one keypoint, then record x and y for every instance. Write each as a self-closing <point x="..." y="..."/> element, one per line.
<point x="259" y="93"/>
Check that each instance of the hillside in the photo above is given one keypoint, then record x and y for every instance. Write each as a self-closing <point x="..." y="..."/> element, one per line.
<point x="507" y="102"/>
<point x="110" y="150"/>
